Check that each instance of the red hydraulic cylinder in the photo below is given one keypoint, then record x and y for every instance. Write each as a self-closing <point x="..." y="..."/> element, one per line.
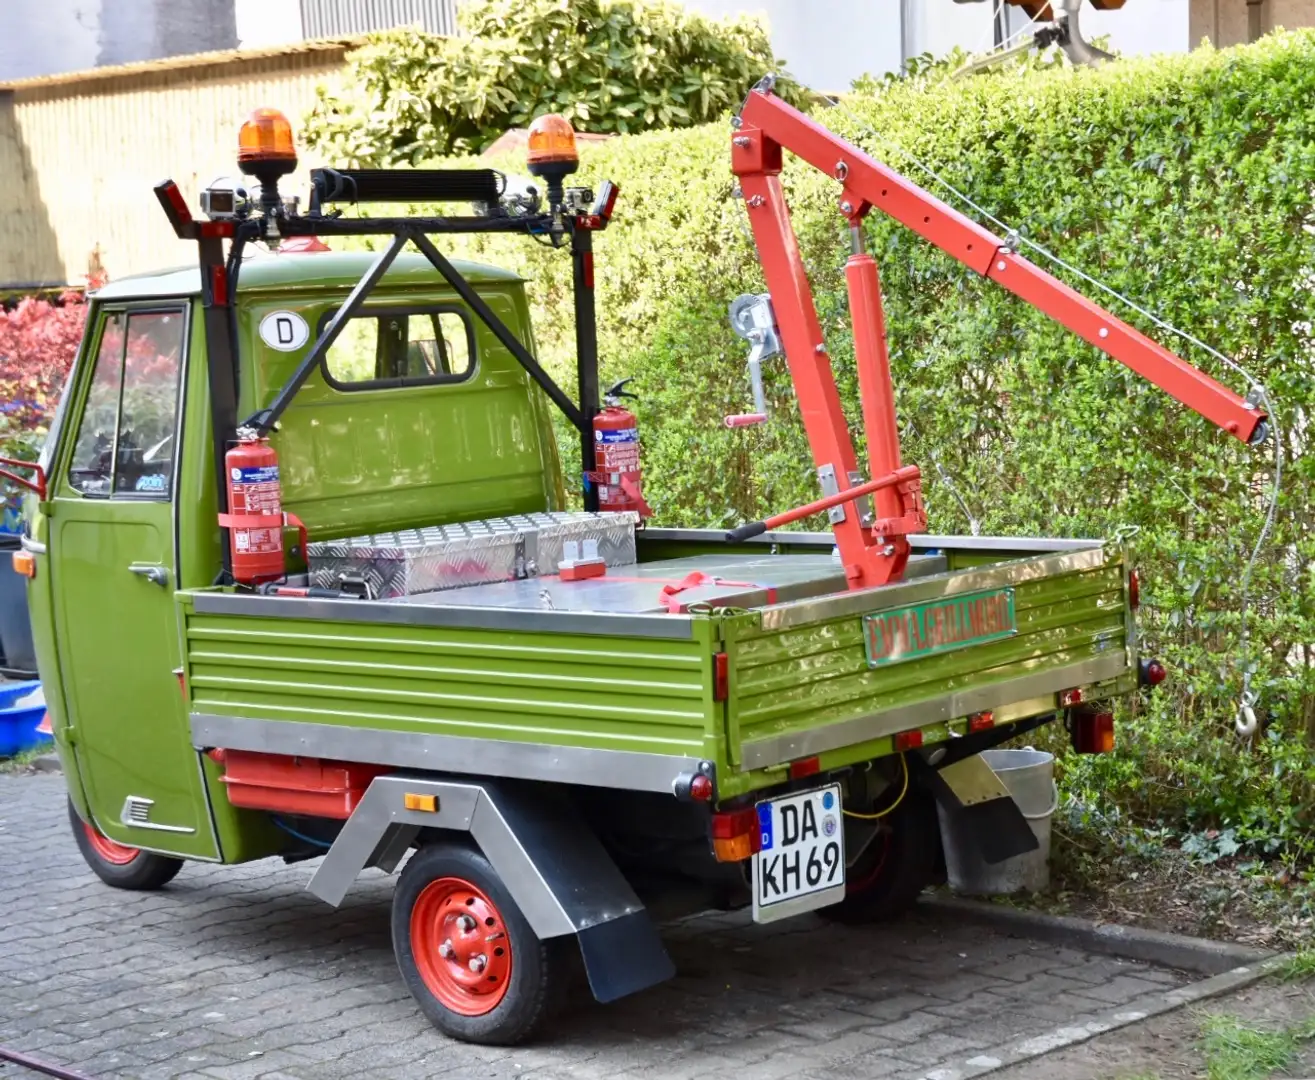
<point x="877" y="394"/>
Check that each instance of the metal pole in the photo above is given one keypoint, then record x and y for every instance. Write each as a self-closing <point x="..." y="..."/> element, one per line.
<point x="586" y="354"/>
<point x="221" y="369"/>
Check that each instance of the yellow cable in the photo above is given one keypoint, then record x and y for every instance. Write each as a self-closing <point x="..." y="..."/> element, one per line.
<point x="882" y="813"/>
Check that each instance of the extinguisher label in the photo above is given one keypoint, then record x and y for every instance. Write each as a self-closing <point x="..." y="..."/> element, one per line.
<point x="618" y="450"/>
<point x="255" y="490"/>
<point x="261" y="474"/>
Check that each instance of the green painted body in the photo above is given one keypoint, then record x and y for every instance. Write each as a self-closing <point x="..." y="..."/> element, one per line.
<point x="109" y="641"/>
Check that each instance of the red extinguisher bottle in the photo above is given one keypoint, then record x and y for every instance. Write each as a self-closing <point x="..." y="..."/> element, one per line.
<point x="255" y="503"/>
<point x="616" y="455"/>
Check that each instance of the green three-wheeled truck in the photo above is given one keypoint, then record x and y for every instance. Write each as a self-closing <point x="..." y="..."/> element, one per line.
<point x="305" y="583"/>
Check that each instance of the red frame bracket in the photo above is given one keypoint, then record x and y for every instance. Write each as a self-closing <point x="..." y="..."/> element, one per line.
<point x="36" y="486"/>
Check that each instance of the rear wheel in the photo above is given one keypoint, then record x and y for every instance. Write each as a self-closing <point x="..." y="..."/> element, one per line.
<point x="902" y="859"/>
<point x="466" y="952"/>
<point x="117" y="864"/>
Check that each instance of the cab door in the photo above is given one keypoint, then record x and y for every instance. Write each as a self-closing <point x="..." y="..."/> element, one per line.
<point x="112" y="552"/>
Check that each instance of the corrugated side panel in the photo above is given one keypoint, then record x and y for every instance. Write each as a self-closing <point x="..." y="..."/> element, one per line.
<point x="614" y="693"/>
<point x="810" y="676"/>
<point x="335" y="18"/>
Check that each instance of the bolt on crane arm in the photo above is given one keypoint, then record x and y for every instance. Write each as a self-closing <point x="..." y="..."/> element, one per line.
<point x="770" y="124"/>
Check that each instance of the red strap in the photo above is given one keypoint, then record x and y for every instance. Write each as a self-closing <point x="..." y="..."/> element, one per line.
<point x="669" y="593"/>
<point x="634" y="494"/>
<point x="251" y="521"/>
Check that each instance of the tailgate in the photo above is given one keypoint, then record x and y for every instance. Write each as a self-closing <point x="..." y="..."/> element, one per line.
<point x="816" y="675"/>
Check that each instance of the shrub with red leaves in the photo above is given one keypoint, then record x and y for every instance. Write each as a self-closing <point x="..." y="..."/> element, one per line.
<point x="38" y="341"/>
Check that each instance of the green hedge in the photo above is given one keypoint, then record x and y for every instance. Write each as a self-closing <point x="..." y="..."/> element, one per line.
<point x="1185" y="182"/>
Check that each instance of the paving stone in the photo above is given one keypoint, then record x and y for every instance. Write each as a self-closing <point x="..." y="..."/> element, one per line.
<point x="236" y="973"/>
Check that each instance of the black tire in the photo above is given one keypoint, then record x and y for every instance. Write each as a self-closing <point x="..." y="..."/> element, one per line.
<point x="143" y="872"/>
<point x="901" y="861"/>
<point x="540" y="971"/>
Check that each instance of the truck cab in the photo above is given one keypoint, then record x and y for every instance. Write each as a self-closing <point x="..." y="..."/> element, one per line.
<point x="417" y="415"/>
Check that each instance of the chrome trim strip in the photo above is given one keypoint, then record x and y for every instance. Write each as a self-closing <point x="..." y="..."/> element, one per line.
<point x="979" y="579"/>
<point x="775" y="750"/>
<point x="466" y="618"/>
<point x="1041" y="545"/>
<point x="36" y="547"/>
<point x="144" y="805"/>
<point x="625" y="769"/>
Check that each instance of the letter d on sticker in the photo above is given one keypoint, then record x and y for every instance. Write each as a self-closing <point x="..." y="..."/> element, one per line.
<point x="285" y="331"/>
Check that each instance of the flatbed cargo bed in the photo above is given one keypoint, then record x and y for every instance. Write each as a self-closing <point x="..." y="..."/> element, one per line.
<point x="594" y="682"/>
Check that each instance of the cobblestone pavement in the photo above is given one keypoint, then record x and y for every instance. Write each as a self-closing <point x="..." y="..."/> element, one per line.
<point x="235" y="972"/>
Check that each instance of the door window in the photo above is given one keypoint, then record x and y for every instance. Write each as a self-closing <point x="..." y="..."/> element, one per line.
<point x="125" y="443"/>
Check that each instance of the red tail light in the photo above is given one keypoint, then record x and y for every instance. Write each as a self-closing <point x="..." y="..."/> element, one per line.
<point x="1092" y="732"/>
<point x="805" y="767"/>
<point x="700" y="788"/>
<point x="721" y="676"/>
<point x="735" y="834"/>
<point x="908" y="740"/>
<point x="1151" y="673"/>
<point x="980" y="721"/>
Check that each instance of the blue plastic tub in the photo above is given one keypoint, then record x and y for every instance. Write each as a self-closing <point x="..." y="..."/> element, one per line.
<point x="22" y="707"/>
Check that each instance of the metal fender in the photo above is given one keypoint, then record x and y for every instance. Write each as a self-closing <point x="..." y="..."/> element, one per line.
<point x="560" y="876"/>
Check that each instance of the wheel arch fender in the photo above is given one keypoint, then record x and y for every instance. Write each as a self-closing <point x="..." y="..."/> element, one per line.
<point x="555" y="868"/>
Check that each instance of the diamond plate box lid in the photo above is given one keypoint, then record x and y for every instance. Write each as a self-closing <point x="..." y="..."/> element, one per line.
<point x="412" y="561"/>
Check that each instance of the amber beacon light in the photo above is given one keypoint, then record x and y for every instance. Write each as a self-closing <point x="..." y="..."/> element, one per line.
<point x="551" y="153"/>
<point x="266" y="150"/>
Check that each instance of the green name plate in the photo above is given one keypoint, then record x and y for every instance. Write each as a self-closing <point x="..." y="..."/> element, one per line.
<point x="938" y="626"/>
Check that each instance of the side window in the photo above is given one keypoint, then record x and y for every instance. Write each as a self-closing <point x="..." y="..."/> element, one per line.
<point x="125" y="436"/>
<point x="401" y="348"/>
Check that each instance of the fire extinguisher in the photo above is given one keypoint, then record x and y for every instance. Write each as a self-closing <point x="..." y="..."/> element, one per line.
<point x="256" y="519"/>
<point x="616" y="455"/>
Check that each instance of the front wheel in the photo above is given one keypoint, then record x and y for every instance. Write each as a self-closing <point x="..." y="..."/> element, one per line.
<point x="469" y="958"/>
<point x="119" y="865"/>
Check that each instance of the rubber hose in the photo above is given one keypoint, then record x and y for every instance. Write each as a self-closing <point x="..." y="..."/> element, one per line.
<point x="37" y="1065"/>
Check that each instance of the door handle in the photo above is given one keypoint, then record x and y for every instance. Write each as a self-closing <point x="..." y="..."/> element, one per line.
<point x="156" y="575"/>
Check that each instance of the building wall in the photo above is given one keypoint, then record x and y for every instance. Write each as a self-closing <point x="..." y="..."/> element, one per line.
<point x="1225" y="22"/>
<point x="48" y="37"/>
<point x="90" y="148"/>
<point x="826" y="44"/>
<point x="334" y="18"/>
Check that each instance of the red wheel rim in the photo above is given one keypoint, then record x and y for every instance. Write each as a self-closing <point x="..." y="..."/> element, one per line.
<point x="460" y="946"/>
<point x="107" y="849"/>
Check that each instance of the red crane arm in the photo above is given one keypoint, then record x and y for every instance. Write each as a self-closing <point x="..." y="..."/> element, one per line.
<point x="869" y="183"/>
<point x="873" y="542"/>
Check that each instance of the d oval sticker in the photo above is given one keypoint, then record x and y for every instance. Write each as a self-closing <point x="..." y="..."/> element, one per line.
<point x="284" y="330"/>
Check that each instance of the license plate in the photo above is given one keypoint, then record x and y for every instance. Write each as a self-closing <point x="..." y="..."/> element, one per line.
<point x="801" y="864"/>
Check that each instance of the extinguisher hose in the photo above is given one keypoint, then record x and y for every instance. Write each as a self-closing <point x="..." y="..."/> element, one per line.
<point x="37" y="1065"/>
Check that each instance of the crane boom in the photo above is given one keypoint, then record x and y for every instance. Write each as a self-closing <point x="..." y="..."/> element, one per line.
<point x="873" y="546"/>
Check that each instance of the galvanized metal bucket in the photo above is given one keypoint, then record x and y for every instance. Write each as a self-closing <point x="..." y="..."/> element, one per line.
<point x="1030" y="777"/>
